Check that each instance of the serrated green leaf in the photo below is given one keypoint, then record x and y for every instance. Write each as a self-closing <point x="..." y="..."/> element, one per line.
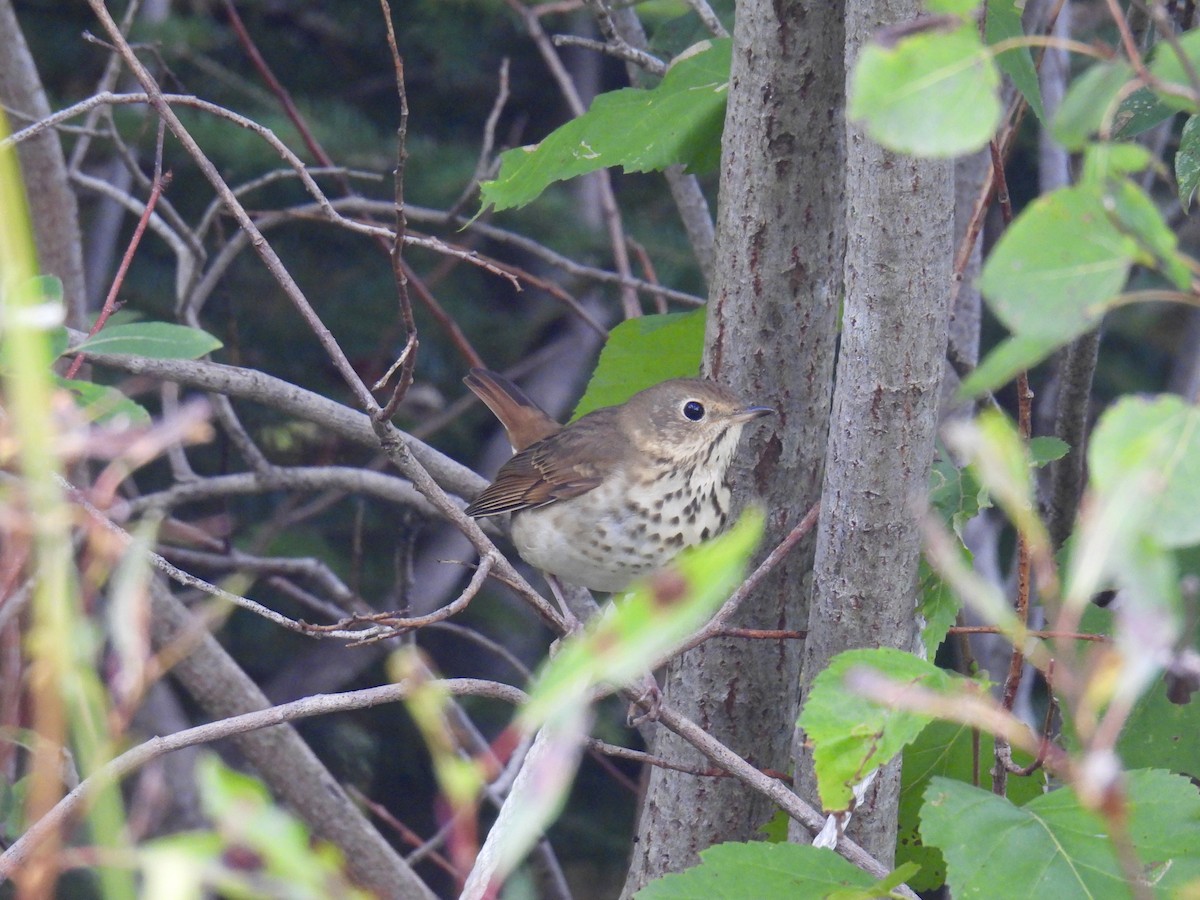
<point x="679" y="121"/>
<point x="156" y="340"/>
<point x="1157" y="442"/>
<point x="1187" y="161"/>
<point x="1007" y="360"/>
<point x="1052" y="847"/>
<point x="1000" y="460"/>
<point x="1090" y="100"/>
<point x="954" y="492"/>
<point x="949" y="750"/>
<point x="1054" y="272"/>
<point x="644" y="625"/>
<point x="933" y="94"/>
<point x="852" y="735"/>
<point x="642" y="352"/>
<point x="759" y="869"/>
<point x="938" y="605"/>
<point x="102" y="403"/>
<point x="1047" y="449"/>
<point x="1004" y="22"/>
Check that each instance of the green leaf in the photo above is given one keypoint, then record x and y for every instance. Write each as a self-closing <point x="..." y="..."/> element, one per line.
<point x="644" y="351"/>
<point x="1052" y="847"/>
<point x="1004" y="22"/>
<point x="1105" y="161"/>
<point x="1138" y="113"/>
<point x="674" y="35"/>
<point x="1156" y="441"/>
<point x="938" y="604"/>
<point x="1138" y="216"/>
<point x="59" y="340"/>
<point x="947" y="749"/>
<point x="852" y="735"/>
<point x="1044" y="450"/>
<point x="102" y="403"/>
<point x="1165" y="65"/>
<point x="952" y="7"/>
<point x="932" y="94"/>
<point x="1055" y="270"/>
<point x="1161" y="734"/>
<point x="1090" y="99"/>
<point x="156" y="340"/>
<point x="645" y="625"/>
<point x="1001" y="461"/>
<point x="759" y="869"/>
<point x="955" y="492"/>
<point x="1007" y="360"/>
<point x="246" y="818"/>
<point x="1187" y="161"/>
<point x="679" y="121"/>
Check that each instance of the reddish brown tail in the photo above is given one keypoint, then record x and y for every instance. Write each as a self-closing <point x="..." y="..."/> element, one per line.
<point x="525" y="421"/>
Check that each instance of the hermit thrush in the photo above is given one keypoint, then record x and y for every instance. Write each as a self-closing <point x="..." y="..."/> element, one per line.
<point x="617" y="493"/>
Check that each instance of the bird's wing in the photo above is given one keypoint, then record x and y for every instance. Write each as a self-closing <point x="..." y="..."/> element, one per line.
<point x="559" y="467"/>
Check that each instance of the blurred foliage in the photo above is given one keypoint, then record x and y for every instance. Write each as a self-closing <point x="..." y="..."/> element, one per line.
<point x="333" y="59"/>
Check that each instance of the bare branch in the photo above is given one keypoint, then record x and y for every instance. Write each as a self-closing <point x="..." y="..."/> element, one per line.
<point x="319" y="705"/>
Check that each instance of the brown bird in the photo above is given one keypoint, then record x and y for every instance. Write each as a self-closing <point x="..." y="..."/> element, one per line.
<point x="617" y="493"/>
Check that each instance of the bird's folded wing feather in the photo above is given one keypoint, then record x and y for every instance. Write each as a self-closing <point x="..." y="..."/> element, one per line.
<point x="559" y="467"/>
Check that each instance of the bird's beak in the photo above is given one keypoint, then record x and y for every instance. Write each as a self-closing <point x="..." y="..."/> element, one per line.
<point x="753" y="412"/>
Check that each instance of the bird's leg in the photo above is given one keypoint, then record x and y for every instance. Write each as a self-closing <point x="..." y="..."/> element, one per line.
<point x="645" y="706"/>
<point x="570" y="620"/>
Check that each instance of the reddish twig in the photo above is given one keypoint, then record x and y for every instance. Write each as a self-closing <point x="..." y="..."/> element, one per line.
<point x="764" y="634"/>
<point x="1066" y="635"/>
<point x="161" y="182"/>
<point x="406" y="834"/>
<point x="408" y="358"/>
<point x="457" y="338"/>
<point x="643" y="258"/>
<point x="1047" y="728"/>
<point x="774" y="558"/>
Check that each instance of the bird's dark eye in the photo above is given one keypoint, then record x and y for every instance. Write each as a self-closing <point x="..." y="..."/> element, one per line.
<point x="693" y="410"/>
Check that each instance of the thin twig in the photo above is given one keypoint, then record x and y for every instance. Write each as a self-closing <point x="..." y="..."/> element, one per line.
<point x="131" y="760"/>
<point x="161" y="183"/>
<point x="618" y="49"/>
<point x="708" y="17"/>
<point x="408" y="358"/>
<point x="485" y="163"/>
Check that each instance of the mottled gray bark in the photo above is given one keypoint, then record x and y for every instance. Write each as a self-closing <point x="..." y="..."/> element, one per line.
<point x="771" y="334"/>
<point x="43" y="168"/>
<point x="970" y="173"/>
<point x="1077" y="362"/>
<point x="898" y="259"/>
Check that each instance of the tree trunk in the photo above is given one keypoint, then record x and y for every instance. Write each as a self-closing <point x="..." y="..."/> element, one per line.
<point x="51" y="201"/>
<point x="898" y="260"/>
<point x="771" y="336"/>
